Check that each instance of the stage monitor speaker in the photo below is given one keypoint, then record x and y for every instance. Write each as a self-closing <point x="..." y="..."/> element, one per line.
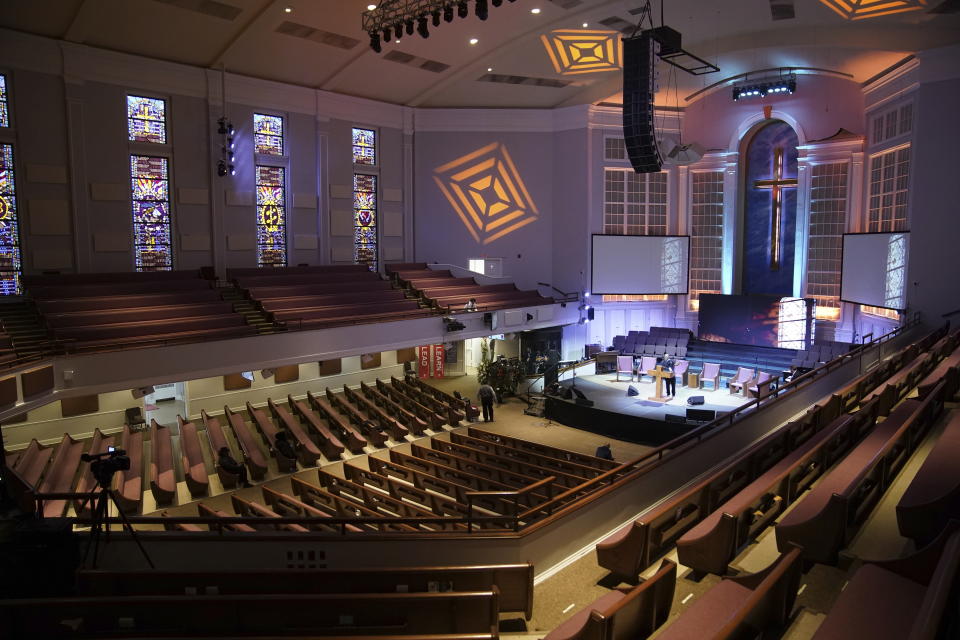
<point x="632" y="391"/>
<point x="701" y="415"/>
<point x="639" y="137"/>
<point x="567" y="394"/>
<point x="675" y="419"/>
<point x="581" y="398"/>
<point x="695" y="400"/>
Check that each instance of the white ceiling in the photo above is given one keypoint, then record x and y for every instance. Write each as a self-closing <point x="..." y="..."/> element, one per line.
<point x="737" y="35"/>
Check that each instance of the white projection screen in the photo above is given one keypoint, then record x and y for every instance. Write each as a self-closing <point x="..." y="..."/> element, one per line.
<point x="875" y="269"/>
<point x="639" y="265"/>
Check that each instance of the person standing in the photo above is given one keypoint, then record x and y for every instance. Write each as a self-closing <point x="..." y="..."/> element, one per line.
<point x="671" y="382"/>
<point x="487" y="395"/>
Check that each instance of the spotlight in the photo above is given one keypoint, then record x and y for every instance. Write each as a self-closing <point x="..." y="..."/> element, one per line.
<point x="231" y="143"/>
<point x="221" y="168"/>
<point x="436" y="18"/>
<point x="448" y="13"/>
<point x="409" y="27"/>
<point x="462" y="9"/>
<point x="222" y="128"/>
<point x="422" y="27"/>
<point x="230" y="129"/>
<point x="497" y="3"/>
<point x="481" y="9"/>
<point x="387" y="34"/>
<point x="233" y="169"/>
<point x="398" y="30"/>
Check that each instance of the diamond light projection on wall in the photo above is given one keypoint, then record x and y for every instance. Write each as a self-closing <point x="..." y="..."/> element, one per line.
<point x="487" y="192"/>
<point x="574" y="51"/>
<point x="863" y="9"/>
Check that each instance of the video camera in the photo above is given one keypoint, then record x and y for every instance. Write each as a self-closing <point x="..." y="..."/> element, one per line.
<point x="104" y="465"/>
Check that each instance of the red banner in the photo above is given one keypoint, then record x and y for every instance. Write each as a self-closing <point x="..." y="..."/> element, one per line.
<point x="423" y="362"/>
<point x="438" y="361"/>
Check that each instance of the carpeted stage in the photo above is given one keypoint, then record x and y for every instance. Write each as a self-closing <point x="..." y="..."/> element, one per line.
<point x="634" y="418"/>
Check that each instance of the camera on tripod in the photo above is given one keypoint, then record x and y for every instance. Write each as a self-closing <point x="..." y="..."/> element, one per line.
<point x="104" y="465"/>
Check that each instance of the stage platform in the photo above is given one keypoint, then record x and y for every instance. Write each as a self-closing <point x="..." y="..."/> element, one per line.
<point x="634" y="418"/>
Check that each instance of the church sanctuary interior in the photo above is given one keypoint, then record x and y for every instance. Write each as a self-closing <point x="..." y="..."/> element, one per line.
<point x="478" y="319"/>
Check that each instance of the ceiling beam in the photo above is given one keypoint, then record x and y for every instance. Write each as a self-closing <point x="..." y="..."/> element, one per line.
<point x="81" y="23"/>
<point x="264" y="10"/>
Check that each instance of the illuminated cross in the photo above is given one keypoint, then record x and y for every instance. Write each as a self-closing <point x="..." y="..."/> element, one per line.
<point x="776" y="185"/>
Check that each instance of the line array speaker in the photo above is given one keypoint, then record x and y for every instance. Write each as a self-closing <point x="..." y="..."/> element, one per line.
<point x="639" y="86"/>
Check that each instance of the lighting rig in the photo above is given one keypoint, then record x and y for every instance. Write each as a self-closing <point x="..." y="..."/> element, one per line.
<point x="227" y="148"/>
<point x="780" y="85"/>
<point x="390" y="19"/>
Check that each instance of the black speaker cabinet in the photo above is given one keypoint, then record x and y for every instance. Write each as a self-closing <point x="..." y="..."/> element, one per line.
<point x="695" y="400"/>
<point x="639" y="86"/>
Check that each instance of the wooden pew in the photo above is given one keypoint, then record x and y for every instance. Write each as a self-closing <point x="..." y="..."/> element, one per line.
<point x="947" y="370"/>
<point x="163" y="482"/>
<point x="933" y="497"/>
<point x="59" y="479"/>
<point x="87" y="483"/>
<point x="387" y="422"/>
<point x="712" y="544"/>
<point x="341" y="507"/>
<point x="191" y="454"/>
<point x="462" y="404"/>
<point x="218" y="440"/>
<point x="349" y="316"/>
<point x="250" y="509"/>
<point x="115" y="288"/>
<point x="307" y="451"/>
<point x="562" y="480"/>
<point x="147" y="327"/>
<point x="742" y="606"/>
<point x="108" y="341"/>
<point x="364" y="423"/>
<point x="499" y="474"/>
<point x="258" y="282"/>
<point x="454" y="415"/>
<point x="269" y="431"/>
<point x="897" y="386"/>
<point x="469" y="615"/>
<point x="289" y="507"/>
<point x="338" y="286"/>
<point x="904" y="598"/>
<point x="46" y="280"/>
<point x="506" y="451"/>
<point x="207" y="512"/>
<point x="180" y="526"/>
<point x="500" y="301"/>
<point x="252" y="454"/>
<point x="130" y="482"/>
<point x="432" y="419"/>
<point x="514" y="581"/>
<point x="284" y="272"/>
<point x="629" y="612"/>
<point x="330" y="444"/>
<point x="33" y="462"/>
<point x="411" y="421"/>
<point x="827" y="517"/>
<point x="351" y="438"/>
<point x="347" y="313"/>
<point x="543" y="449"/>
<point x="130" y="301"/>
<point x="137" y="314"/>
<point x="392" y="268"/>
<point x="331" y="300"/>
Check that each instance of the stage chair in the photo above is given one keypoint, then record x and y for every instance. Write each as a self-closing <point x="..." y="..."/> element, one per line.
<point x="649" y="349"/>
<point x="710" y="373"/>
<point x="671" y="350"/>
<point x="682" y="352"/>
<point x="759" y="386"/>
<point x="671" y="342"/>
<point x="744" y="376"/>
<point x="625" y="365"/>
<point x="646" y="363"/>
<point x="680" y="372"/>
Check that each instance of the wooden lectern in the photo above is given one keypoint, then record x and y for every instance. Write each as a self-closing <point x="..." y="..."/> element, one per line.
<point x="659" y="374"/>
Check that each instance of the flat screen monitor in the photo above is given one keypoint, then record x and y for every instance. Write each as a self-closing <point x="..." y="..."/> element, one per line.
<point x="639" y="265"/>
<point x="875" y="269"/>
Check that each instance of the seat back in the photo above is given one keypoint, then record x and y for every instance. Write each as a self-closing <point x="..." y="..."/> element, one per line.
<point x="647" y="363"/>
<point x="625" y="364"/>
<point x="681" y="367"/>
<point x="743" y="375"/>
<point x="710" y="370"/>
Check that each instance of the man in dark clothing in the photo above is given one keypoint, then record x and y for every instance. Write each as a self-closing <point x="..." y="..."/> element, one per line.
<point x="487" y="395"/>
<point x="283" y="445"/>
<point x="228" y="464"/>
<point x="671" y="382"/>
<point x="603" y="451"/>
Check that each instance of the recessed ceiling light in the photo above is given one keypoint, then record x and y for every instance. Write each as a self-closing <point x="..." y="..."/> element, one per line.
<point x="474" y="41"/>
<point x="586" y="24"/>
<point x="535" y="10"/>
<point x="397" y="41"/>
<point x="288" y="9"/>
<point x="371" y="7"/>
<point x="489" y="69"/>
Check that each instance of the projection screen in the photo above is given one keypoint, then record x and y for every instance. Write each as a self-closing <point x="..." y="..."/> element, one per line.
<point x="639" y="265"/>
<point x="875" y="269"/>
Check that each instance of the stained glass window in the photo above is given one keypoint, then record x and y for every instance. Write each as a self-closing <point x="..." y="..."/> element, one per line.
<point x="268" y="134"/>
<point x="271" y="217"/>
<point x="146" y="119"/>
<point x="4" y="109"/>
<point x="364" y="146"/>
<point x="151" y="213"/>
<point x="10" y="269"/>
<point x="365" y="220"/>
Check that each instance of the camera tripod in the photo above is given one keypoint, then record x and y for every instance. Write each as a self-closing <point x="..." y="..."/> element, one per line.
<point x="98" y="519"/>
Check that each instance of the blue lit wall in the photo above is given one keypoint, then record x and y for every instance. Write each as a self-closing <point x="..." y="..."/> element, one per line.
<point x="758" y="277"/>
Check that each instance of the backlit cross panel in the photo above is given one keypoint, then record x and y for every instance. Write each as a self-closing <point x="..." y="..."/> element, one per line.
<point x="487" y="193"/>
<point x="862" y="9"/>
<point x="574" y="51"/>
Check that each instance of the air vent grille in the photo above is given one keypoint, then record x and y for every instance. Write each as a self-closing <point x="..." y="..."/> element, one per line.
<point x="206" y="7"/>
<point x="415" y="61"/>
<point x="525" y="80"/>
<point x="618" y="23"/>
<point x="316" y="35"/>
<point x="567" y="4"/>
<point x="782" y="10"/>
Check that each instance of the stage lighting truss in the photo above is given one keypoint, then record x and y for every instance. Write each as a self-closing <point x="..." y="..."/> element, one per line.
<point x="391" y="17"/>
<point x="779" y="85"/>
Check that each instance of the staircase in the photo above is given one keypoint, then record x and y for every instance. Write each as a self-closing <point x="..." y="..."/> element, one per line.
<point x="26" y="329"/>
<point x="248" y="309"/>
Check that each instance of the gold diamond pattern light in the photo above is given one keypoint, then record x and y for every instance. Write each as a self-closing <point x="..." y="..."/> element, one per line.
<point x="487" y="193"/>
<point x="574" y="51"/>
<point x="863" y="9"/>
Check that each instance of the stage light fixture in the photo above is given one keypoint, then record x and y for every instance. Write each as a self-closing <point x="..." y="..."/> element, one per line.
<point x="222" y="126"/>
<point x="436" y="18"/>
<point x="497" y="3"/>
<point x="422" y="27"/>
<point x="462" y="9"/>
<point x="398" y="30"/>
<point x="387" y="34"/>
<point x="481" y="9"/>
<point x="233" y="169"/>
<point x="448" y="13"/>
<point x="231" y="143"/>
<point x="410" y="26"/>
<point x="221" y="168"/>
<point x="762" y="88"/>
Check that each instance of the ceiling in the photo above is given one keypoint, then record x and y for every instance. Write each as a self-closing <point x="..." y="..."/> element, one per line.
<point x="321" y="43"/>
